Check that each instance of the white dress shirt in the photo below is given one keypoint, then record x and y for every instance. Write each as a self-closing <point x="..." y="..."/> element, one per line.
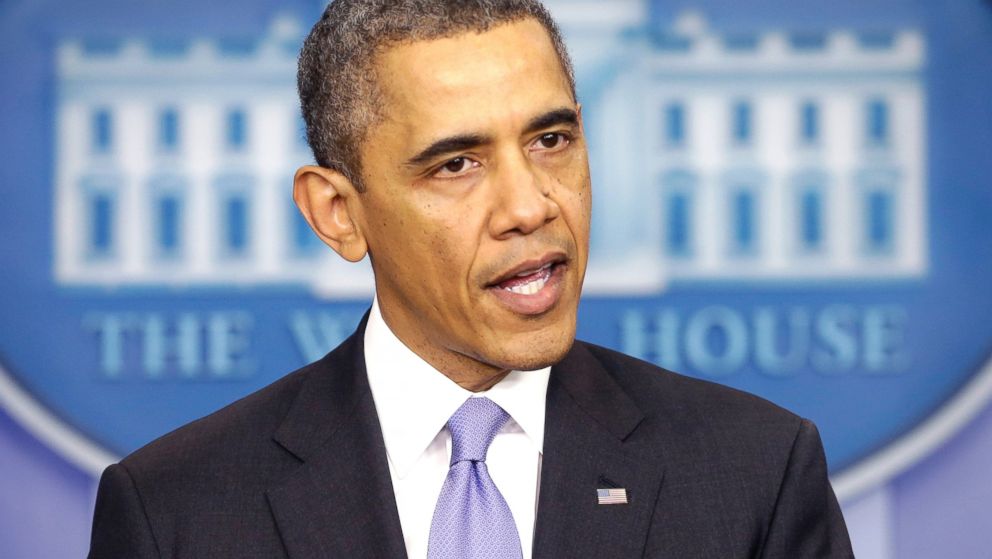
<point x="414" y="401"/>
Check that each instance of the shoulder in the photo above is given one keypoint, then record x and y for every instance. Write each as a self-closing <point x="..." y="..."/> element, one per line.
<point x="655" y="389"/>
<point x="232" y="447"/>
<point x="243" y="435"/>
<point x="747" y="473"/>
<point x="694" y="420"/>
<point x="207" y="481"/>
<point x="742" y="476"/>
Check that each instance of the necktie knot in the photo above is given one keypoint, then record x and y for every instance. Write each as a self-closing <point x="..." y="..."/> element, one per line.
<point x="473" y="427"/>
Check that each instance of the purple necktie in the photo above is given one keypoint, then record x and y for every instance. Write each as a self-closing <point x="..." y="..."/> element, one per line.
<point x="471" y="519"/>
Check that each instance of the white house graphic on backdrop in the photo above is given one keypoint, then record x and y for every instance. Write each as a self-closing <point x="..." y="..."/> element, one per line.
<point x="769" y="156"/>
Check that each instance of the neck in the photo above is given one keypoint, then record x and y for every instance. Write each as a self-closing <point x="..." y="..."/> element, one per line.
<point x="476" y="383"/>
<point x="467" y="372"/>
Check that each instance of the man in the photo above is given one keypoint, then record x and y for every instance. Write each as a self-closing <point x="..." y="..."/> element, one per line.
<point x="450" y="151"/>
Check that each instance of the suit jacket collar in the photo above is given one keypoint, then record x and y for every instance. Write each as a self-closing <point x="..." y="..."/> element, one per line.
<point x="589" y="430"/>
<point x="339" y="502"/>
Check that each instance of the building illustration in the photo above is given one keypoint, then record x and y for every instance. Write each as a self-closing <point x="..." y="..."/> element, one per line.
<point x="766" y="156"/>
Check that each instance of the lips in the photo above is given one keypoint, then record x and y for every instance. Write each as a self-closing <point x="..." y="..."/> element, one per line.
<point x="528" y="282"/>
<point x="532" y="287"/>
<point x="527" y="268"/>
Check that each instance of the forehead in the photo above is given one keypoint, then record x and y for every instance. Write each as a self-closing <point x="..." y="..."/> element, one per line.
<point x="506" y="72"/>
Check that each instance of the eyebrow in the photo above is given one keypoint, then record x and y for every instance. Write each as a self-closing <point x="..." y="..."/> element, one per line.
<point x="451" y="144"/>
<point x="556" y="117"/>
<point x="464" y="142"/>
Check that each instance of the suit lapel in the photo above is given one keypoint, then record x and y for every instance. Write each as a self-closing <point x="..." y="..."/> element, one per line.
<point x="339" y="502"/>
<point x="589" y="421"/>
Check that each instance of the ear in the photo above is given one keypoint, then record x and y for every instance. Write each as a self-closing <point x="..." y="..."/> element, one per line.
<point x="328" y="201"/>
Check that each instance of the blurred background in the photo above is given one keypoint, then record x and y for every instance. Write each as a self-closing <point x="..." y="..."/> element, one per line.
<point x="791" y="197"/>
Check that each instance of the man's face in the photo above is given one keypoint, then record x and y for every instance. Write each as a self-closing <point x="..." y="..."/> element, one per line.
<point x="477" y="201"/>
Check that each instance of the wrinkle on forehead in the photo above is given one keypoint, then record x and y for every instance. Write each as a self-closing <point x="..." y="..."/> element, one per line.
<point x="470" y="72"/>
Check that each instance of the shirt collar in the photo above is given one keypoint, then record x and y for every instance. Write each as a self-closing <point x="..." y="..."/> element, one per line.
<point x="414" y="400"/>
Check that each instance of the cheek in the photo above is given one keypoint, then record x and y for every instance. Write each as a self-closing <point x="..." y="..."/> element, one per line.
<point x="575" y="194"/>
<point x="395" y="236"/>
<point x="441" y="247"/>
<point x="571" y="173"/>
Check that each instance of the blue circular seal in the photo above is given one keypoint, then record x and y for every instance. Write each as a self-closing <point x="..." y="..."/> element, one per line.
<point x="799" y="214"/>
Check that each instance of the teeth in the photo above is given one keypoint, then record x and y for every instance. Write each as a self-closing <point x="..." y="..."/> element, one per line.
<point x="529" y="288"/>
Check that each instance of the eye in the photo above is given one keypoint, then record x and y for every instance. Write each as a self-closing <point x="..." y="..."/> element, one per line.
<point x="551" y="141"/>
<point x="455" y="167"/>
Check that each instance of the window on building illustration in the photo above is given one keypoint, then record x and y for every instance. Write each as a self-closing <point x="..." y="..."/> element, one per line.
<point x="811" y="219"/>
<point x="168" y="230"/>
<point x="678" y="188"/>
<point x="879" y="220"/>
<point x="741" y="123"/>
<point x="235" y="233"/>
<point x="740" y="42"/>
<point x="237" y="129"/>
<point x="237" y="47"/>
<point x="878" y="122"/>
<point x="808" y="41"/>
<point x="809" y="123"/>
<point x="102" y="130"/>
<point x="94" y="47"/>
<point x="675" y="124"/>
<point x="678" y="223"/>
<point x="670" y="42"/>
<point x="167" y="48"/>
<point x="305" y="241"/>
<point x="168" y="130"/>
<point x="101" y="223"/>
<point x="876" y="40"/>
<point x="743" y="209"/>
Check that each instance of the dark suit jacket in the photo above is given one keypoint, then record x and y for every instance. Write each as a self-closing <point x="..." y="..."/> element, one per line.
<point x="299" y="469"/>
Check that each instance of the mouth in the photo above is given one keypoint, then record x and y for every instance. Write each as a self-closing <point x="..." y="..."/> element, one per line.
<point x="532" y="287"/>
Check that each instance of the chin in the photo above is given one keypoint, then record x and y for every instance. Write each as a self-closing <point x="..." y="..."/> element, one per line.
<point x="536" y="352"/>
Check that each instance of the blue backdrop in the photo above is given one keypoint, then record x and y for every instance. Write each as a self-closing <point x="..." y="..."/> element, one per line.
<point x="791" y="198"/>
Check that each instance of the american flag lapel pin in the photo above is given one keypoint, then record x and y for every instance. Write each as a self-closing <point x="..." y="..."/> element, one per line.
<point x="611" y="496"/>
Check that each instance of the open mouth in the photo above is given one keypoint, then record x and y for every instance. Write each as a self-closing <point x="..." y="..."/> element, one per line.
<point x="532" y="288"/>
<point x="528" y="282"/>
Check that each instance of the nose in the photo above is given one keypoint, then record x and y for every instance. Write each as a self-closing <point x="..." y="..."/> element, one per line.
<point x="523" y="199"/>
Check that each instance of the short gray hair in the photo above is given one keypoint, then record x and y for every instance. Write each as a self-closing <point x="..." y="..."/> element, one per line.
<point x="339" y="94"/>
